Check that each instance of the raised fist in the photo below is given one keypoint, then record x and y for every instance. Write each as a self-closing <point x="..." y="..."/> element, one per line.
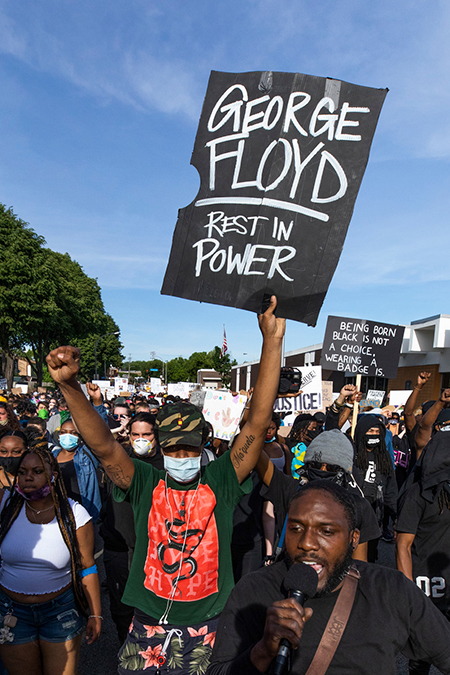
<point x="63" y="363"/>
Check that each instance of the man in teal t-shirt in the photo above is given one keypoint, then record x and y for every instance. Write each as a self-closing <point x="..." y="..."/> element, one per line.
<point x="181" y="573"/>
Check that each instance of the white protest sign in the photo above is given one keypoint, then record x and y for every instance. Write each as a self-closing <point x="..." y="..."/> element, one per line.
<point x="399" y="397"/>
<point x="375" y="395"/>
<point x="155" y="385"/>
<point x="180" y="389"/>
<point x="223" y="411"/>
<point x="103" y="384"/>
<point x="374" y="398"/>
<point x="120" y="384"/>
<point x="3" y="383"/>
<point x="198" y="397"/>
<point x="311" y="397"/>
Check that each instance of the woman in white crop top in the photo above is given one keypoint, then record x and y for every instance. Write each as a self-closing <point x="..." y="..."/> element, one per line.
<point x="48" y="577"/>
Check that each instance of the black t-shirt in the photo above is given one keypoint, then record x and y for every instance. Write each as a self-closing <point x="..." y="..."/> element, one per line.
<point x="430" y="552"/>
<point x="372" y="481"/>
<point x="282" y="488"/>
<point x="70" y="480"/>
<point x="389" y="615"/>
<point x="117" y="519"/>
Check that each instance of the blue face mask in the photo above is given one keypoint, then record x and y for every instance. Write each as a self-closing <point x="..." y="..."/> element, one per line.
<point x="68" y="441"/>
<point x="182" y="469"/>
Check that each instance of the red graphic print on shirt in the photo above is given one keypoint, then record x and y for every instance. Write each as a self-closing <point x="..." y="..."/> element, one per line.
<point x="182" y="530"/>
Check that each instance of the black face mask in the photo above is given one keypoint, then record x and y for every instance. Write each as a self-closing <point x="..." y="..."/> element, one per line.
<point x="375" y="442"/>
<point x="311" y="434"/>
<point x="10" y="464"/>
<point x="318" y="474"/>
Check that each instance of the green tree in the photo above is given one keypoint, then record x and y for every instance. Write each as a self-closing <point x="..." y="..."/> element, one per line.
<point x="20" y="248"/>
<point x="223" y="364"/>
<point x="46" y="299"/>
<point x="108" y="349"/>
<point x="177" y="370"/>
<point x="66" y="306"/>
<point x="197" y="361"/>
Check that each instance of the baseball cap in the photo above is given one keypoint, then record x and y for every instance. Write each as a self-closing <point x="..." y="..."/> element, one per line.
<point x="180" y="423"/>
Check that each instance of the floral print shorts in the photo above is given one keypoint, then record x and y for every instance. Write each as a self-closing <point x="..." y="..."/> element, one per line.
<point x="167" y="650"/>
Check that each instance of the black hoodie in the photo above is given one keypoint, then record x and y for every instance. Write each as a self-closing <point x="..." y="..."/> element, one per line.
<point x="420" y="514"/>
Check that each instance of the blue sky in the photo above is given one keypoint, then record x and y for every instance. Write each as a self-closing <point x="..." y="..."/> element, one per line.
<point x="99" y="106"/>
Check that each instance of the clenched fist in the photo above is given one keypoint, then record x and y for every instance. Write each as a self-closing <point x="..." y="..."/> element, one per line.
<point x="64" y="363"/>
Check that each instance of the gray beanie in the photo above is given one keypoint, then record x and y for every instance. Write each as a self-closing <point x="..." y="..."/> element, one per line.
<point x="331" y="447"/>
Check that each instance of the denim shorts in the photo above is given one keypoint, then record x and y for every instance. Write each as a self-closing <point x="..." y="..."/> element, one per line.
<point x="57" y="620"/>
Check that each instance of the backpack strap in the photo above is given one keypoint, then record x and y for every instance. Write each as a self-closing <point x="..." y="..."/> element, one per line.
<point x="336" y="625"/>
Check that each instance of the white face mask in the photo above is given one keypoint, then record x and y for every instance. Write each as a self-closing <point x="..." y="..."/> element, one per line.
<point x="141" y="446"/>
<point x="182" y="469"/>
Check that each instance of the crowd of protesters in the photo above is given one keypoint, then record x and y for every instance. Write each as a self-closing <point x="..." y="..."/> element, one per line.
<point x="179" y="517"/>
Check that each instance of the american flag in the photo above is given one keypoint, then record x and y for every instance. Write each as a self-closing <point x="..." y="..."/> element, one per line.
<point x="224" y="349"/>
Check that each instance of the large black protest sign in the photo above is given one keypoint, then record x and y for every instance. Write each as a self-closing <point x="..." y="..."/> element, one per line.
<point x="281" y="157"/>
<point x="361" y="347"/>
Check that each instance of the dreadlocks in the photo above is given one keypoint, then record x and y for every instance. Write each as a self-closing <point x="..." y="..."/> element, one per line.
<point x="443" y="499"/>
<point x="299" y="429"/>
<point x="64" y="515"/>
<point x="381" y="457"/>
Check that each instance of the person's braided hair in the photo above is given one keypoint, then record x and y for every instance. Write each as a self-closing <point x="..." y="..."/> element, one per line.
<point x="64" y="515"/>
<point x="299" y="427"/>
<point x="443" y="499"/>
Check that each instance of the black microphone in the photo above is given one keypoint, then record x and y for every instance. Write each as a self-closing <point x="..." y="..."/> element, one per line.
<point x="301" y="583"/>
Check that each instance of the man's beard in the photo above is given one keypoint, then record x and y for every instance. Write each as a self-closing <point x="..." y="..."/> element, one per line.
<point x="338" y="572"/>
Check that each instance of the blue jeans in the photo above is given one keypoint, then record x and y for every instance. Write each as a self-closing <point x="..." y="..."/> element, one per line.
<point x="57" y="620"/>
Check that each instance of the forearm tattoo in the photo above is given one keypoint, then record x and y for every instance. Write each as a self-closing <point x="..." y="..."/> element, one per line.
<point x="240" y="453"/>
<point x="115" y="472"/>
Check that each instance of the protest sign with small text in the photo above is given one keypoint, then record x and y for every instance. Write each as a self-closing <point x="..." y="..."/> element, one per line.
<point x="360" y="347"/>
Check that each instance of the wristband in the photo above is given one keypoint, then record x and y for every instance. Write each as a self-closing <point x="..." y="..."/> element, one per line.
<point x="95" y="616"/>
<point x="87" y="571"/>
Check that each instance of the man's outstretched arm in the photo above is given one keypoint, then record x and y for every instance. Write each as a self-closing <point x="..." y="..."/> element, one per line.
<point x="423" y="433"/>
<point x="63" y="365"/>
<point x="248" y="444"/>
<point x="410" y="405"/>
